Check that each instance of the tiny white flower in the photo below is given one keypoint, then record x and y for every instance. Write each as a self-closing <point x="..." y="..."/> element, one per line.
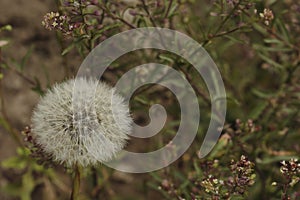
<point x="54" y="24"/>
<point x="84" y="130"/>
<point x="261" y="15"/>
<point x="76" y="4"/>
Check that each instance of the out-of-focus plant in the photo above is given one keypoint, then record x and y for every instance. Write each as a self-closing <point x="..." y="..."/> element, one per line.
<point x="26" y="173"/>
<point x="4" y="42"/>
<point x="3" y="120"/>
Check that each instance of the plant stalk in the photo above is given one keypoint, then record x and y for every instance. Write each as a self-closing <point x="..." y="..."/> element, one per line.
<point x="76" y="183"/>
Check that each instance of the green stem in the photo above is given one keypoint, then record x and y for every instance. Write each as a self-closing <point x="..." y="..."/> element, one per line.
<point x="4" y="121"/>
<point x="148" y="13"/>
<point x="76" y="183"/>
<point x="113" y="16"/>
<point x="169" y="8"/>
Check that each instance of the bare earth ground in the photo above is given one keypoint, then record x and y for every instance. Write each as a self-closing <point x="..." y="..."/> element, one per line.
<point x="25" y="16"/>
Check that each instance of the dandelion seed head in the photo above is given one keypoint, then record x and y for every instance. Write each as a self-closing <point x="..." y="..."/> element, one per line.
<point x="81" y="128"/>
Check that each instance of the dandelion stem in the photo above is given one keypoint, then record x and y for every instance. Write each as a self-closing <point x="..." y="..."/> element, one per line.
<point x="76" y="183"/>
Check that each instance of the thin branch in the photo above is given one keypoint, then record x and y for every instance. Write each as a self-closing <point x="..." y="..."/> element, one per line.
<point x="227" y="18"/>
<point x="169" y="8"/>
<point x="197" y="89"/>
<point x="6" y="123"/>
<point x="148" y="12"/>
<point x="112" y="15"/>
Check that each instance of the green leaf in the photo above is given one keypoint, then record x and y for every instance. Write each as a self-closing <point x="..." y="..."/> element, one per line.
<point x="23" y="190"/>
<point x="106" y="28"/>
<point x="141" y="100"/>
<point x="156" y="177"/>
<point x="28" y="185"/>
<point x="256" y="112"/>
<point x="197" y="168"/>
<point x="271" y="49"/>
<point x="78" y="42"/>
<point x="6" y="28"/>
<point x="235" y="40"/>
<point x="12" y="189"/>
<point x="26" y="57"/>
<point x="282" y="29"/>
<point x="166" y="58"/>
<point x="38" y="87"/>
<point x="68" y="49"/>
<point x="273" y="159"/>
<point x="173" y="9"/>
<point x="271" y="2"/>
<point x="4" y="124"/>
<point x="14" y="163"/>
<point x="230" y="99"/>
<point x="260" y="29"/>
<point x="155" y="187"/>
<point x="271" y="62"/>
<point x="20" y="65"/>
<point x="237" y="197"/>
<point x="179" y="176"/>
<point x="261" y="94"/>
<point x="23" y="151"/>
<point x="219" y="148"/>
<point x="4" y="65"/>
<point x="273" y="41"/>
<point x="141" y="22"/>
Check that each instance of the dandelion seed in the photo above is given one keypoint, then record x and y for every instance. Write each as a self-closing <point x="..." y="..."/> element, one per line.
<point x="82" y="131"/>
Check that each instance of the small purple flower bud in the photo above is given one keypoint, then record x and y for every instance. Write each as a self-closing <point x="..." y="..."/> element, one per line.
<point x="67" y="3"/>
<point x="94" y="2"/>
<point x="132" y="12"/>
<point x="90" y="27"/>
<point x="99" y="26"/>
<point x="97" y="13"/>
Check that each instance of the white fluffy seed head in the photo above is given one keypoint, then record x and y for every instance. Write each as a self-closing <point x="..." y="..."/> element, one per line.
<point x="85" y="124"/>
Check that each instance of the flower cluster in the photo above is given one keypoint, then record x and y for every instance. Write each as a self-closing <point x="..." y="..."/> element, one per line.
<point x="243" y="174"/>
<point x="291" y="170"/>
<point x="241" y="177"/>
<point x="291" y="173"/>
<point x="212" y="185"/>
<point x="248" y="127"/>
<point x="240" y="127"/>
<point x="242" y="5"/>
<point x="168" y="185"/>
<point x="36" y="150"/>
<point x="55" y="21"/>
<point x="267" y="16"/>
<point x="291" y="167"/>
<point x="232" y="2"/>
<point x="238" y="7"/>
